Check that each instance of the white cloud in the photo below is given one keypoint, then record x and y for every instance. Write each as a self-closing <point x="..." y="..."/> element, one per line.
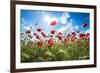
<point x="70" y="28"/>
<point x="87" y="31"/>
<point x="76" y="27"/>
<point x="22" y="24"/>
<point x="64" y="18"/>
<point x="26" y="27"/>
<point x="23" y="21"/>
<point x="61" y="29"/>
<point x="49" y="19"/>
<point x="66" y="29"/>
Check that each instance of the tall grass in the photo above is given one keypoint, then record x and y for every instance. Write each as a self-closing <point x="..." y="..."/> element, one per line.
<point x="78" y="50"/>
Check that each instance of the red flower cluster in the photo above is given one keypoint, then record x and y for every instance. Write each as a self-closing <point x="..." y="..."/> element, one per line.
<point x="81" y="35"/>
<point x="70" y="37"/>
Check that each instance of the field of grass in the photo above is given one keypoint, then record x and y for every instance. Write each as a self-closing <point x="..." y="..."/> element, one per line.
<point x="41" y="52"/>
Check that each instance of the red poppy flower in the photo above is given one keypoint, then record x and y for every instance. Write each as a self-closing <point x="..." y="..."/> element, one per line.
<point x="52" y="31"/>
<point x="81" y="35"/>
<point x="84" y="25"/>
<point x="73" y="34"/>
<point x="53" y="23"/>
<point x="43" y="34"/>
<point x="37" y="36"/>
<point x="39" y="30"/>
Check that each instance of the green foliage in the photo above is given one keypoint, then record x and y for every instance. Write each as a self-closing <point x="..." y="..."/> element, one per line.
<point x="55" y="53"/>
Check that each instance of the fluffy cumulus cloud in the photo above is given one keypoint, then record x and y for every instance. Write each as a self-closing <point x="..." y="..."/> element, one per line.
<point x="68" y="25"/>
<point x="24" y="23"/>
<point x="67" y="28"/>
<point x="64" y="18"/>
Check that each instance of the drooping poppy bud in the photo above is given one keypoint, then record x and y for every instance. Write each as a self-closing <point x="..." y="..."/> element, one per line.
<point x="39" y="30"/>
<point x="43" y="34"/>
<point x="52" y="31"/>
<point x="59" y="37"/>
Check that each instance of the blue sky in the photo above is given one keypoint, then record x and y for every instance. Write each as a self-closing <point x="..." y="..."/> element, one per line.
<point x="66" y="21"/>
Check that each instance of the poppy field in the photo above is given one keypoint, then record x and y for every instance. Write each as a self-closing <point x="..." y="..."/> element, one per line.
<point x="61" y="37"/>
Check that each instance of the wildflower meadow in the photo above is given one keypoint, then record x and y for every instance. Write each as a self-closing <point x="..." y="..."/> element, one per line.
<point x="54" y="36"/>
